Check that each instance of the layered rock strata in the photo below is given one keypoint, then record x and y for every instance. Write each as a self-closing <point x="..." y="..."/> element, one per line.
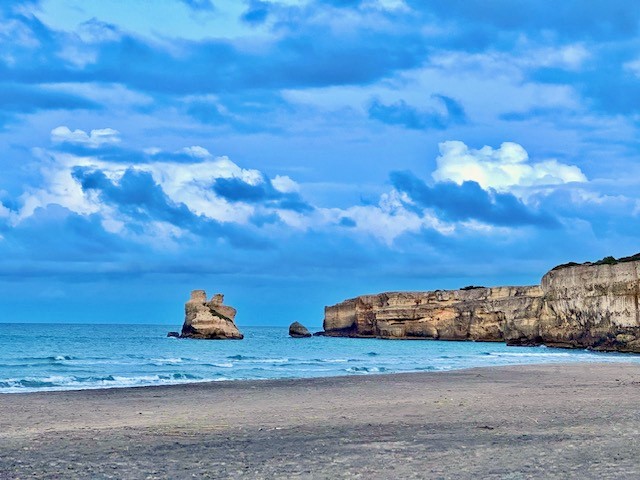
<point x="209" y="319"/>
<point x="582" y="306"/>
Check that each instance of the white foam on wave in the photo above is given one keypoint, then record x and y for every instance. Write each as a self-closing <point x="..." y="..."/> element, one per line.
<point x="166" y="361"/>
<point x="60" y="358"/>
<point x="269" y="360"/>
<point x="365" y="369"/>
<point x="71" y="382"/>
<point x="531" y="354"/>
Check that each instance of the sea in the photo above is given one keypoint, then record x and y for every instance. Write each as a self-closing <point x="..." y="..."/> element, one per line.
<point x="47" y="357"/>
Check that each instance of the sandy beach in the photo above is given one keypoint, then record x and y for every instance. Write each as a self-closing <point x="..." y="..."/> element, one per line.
<point x="543" y="421"/>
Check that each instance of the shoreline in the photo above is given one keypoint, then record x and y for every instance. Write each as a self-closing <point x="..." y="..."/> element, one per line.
<point x="622" y="360"/>
<point x="571" y="420"/>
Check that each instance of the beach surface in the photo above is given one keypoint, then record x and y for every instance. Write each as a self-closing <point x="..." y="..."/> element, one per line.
<point x="537" y="421"/>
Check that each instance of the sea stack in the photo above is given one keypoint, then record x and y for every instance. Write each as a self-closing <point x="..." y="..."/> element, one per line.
<point x="297" y="330"/>
<point x="209" y="320"/>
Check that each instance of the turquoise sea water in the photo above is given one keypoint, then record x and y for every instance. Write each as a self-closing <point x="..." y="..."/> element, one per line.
<point x="37" y="357"/>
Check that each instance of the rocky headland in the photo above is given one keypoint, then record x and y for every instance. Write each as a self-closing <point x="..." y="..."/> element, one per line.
<point x="209" y="319"/>
<point x="592" y="305"/>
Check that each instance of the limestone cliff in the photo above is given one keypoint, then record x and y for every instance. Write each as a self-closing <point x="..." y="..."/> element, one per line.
<point x="584" y="306"/>
<point x="209" y="319"/>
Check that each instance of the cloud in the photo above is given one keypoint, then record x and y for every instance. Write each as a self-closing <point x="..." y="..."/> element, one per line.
<point x="347" y="222"/>
<point x="256" y="13"/>
<point x="57" y="234"/>
<point x="285" y="184"/>
<point x="17" y="99"/>
<point x="96" y="31"/>
<point x="469" y="201"/>
<point x="501" y="168"/>
<point x="400" y="113"/>
<point x="264" y="192"/>
<point x="94" y="139"/>
<point x="305" y="53"/>
<point x="197" y="151"/>
<point x="575" y="19"/>
<point x="200" y="5"/>
<point x="139" y="197"/>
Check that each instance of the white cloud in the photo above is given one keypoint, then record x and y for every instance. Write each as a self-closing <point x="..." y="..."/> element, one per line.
<point x="190" y="183"/>
<point x="633" y="66"/>
<point x="197" y="152"/>
<point x="502" y="168"/>
<point x="95" y="31"/>
<point x="392" y="5"/>
<point x="4" y="211"/>
<point x="93" y="139"/>
<point x="285" y="184"/>
<point x="569" y="57"/>
<point x="78" y="55"/>
<point x="59" y="187"/>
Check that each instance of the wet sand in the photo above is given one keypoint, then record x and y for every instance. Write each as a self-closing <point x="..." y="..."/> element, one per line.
<point x="542" y="421"/>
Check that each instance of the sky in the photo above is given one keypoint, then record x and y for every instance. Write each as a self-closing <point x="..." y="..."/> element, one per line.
<point x="292" y="154"/>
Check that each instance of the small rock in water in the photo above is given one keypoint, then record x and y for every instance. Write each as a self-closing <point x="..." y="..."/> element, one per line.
<point x="173" y="334"/>
<point x="297" y="330"/>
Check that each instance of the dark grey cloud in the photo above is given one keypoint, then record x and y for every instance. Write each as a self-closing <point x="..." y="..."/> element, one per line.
<point x="246" y="112"/>
<point x="347" y="222"/>
<point x="200" y="5"/>
<point x="257" y="12"/>
<point x="469" y="201"/>
<point x="570" y="19"/>
<point x="403" y="114"/>
<point x="17" y="99"/>
<point x="264" y="193"/>
<point x="141" y="199"/>
<point x="309" y="55"/>
<point x="54" y="233"/>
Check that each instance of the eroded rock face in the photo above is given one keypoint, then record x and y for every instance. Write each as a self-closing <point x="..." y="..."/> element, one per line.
<point x="209" y="319"/>
<point x="588" y="306"/>
<point x="585" y="306"/>
<point x="477" y="314"/>
<point x="297" y="330"/>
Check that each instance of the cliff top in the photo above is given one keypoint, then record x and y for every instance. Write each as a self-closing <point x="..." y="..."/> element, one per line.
<point x="605" y="261"/>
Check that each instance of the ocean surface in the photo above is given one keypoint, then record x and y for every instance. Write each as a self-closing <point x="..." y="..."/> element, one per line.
<point x="42" y="357"/>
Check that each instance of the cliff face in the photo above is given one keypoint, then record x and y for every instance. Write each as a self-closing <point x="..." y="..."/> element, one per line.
<point x="594" y="306"/>
<point x="209" y="319"/>
<point x="581" y="306"/>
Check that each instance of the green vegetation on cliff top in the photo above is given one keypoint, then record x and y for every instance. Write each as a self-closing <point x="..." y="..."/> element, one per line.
<point x="605" y="261"/>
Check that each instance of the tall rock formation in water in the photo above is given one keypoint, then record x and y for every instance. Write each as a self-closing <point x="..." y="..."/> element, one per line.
<point x="581" y="306"/>
<point x="209" y="319"/>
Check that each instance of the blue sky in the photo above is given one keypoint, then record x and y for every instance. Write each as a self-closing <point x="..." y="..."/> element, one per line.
<point x="292" y="154"/>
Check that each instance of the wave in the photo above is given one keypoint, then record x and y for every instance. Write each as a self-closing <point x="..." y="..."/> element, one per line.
<point x="166" y="361"/>
<point x="60" y="358"/>
<point x="73" y="382"/>
<point x="49" y="358"/>
<point x="529" y="354"/>
<point x="258" y="359"/>
<point x="241" y="357"/>
<point x="365" y="369"/>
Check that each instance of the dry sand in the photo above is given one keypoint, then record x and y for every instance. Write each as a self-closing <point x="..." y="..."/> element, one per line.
<point x="552" y="421"/>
